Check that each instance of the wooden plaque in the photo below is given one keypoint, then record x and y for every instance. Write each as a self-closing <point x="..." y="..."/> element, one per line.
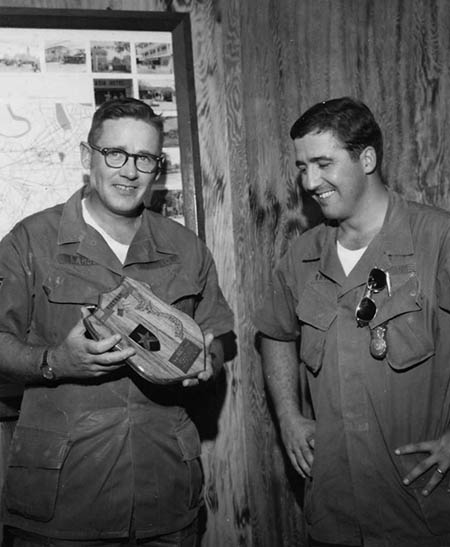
<point x="169" y="344"/>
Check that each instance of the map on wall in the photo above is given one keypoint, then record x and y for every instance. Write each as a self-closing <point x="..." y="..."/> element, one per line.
<point x="39" y="157"/>
<point x="51" y="82"/>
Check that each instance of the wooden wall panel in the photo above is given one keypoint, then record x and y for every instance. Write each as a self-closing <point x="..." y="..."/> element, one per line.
<point x="264" y="480"/>
<point x="225" y="456"/>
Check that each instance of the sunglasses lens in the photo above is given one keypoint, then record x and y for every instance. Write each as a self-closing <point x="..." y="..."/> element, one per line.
<point x="366" y="310"/>
<point x="377" y="280"/>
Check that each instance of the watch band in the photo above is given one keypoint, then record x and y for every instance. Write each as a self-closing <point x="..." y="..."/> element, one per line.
<point x="46" y="370"/>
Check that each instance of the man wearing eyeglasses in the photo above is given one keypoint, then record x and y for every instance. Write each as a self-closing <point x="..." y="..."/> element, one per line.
<point x="365" y="297"/>
<point x="100" y="455"/>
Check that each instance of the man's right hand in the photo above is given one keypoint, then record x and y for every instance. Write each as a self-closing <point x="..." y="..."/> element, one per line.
<point x="80" y="357"/>
<point x="297" y="433"/>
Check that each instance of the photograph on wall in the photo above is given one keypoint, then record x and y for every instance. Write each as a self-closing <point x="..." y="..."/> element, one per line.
<point x="112" y="56"/>
<point x="167" y="191"/>
<point x="159" y="94"/>
<point x="107" y="89"/>
<point x="172" y="168"/>
<point x="168" y="203"/>
<point x="170" y="124"/>
<point x="19" y="56"/>
<point x="65" y="56"/>
<point x="51" y="82"/>
<point x="154" y="57"/>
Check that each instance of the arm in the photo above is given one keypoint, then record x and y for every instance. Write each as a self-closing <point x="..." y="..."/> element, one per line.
<point x="214" y="317"/>
<point x="77" y="357"/>
<point x="280" y="367"/>
<point x="215" y="357"/>
<point x="436" y="452"/>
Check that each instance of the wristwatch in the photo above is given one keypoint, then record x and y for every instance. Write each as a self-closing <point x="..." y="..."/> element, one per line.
<point x="46" y="370"/>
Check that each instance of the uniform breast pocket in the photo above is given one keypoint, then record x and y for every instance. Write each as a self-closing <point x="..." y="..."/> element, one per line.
<point x="409" y="321"/>
<point x="66" y="285"/>
<point x="316" y="312"/>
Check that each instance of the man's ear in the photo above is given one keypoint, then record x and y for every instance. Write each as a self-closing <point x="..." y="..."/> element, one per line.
<point x="85" y="152"/>
<point x="368" y="158"/>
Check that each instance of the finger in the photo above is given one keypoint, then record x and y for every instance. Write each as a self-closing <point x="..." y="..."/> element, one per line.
<point x="189" y="383"/>
<point x="85" y="311"/>
<point x="305" y="459"/>
<point x="207" y="373"/>
<point x="209" y="337"/>
<point x="418" y="470"/>
<point x="115" y="357"/>
<point x="79" y="329"/>
<point x="101" y="370"/>
<point x="98" y="347"/>
<point x="295" y="464"/>
<point x="414" y="448"/>
<point x="436" y="478"/>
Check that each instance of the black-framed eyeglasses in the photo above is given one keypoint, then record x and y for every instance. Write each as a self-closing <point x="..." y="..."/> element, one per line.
<point x="366" y="309"/>
<point x="117" y="158"/>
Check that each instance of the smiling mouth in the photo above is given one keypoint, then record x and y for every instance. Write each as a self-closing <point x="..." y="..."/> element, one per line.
<point x="323" y="196"/>
<point x="125" y="188"/>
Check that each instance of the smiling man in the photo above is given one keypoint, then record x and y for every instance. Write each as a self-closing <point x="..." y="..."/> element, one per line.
<point x="365" y="298"/>
<point x="100" y="456"/>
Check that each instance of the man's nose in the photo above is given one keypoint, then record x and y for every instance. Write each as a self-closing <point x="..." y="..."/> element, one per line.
<point x="129" y="169"/>
<point x="311" y="178"/>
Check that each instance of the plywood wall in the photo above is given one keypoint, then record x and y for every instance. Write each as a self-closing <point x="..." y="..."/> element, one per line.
<point x="258" y="64"/>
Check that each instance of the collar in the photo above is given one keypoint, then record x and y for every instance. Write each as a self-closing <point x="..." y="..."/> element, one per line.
<point x="394" y="239"/>
<point x="396" y="229"/>
<point x="72" y="227"/>
<point x="151" y="242"/>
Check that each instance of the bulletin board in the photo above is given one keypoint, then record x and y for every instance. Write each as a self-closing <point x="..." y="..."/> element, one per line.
<point x="57" y="67"/>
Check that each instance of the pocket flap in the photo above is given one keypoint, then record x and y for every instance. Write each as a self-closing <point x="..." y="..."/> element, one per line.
<point x="68" y="287"/>
<point x="409" y="335"/>
<point x="34" y="448"/>
<point x="405" y="299"/>
<point x="316" y="307"/>
<point x="189" y="441"/>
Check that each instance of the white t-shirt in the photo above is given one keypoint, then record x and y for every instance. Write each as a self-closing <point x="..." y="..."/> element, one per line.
<point x="119" y="249"/>
<point x="349" y="258"/>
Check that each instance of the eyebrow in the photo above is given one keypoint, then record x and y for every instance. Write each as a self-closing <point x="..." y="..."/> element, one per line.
<point x="123" y="148"/>
<point x="316" y="159"/>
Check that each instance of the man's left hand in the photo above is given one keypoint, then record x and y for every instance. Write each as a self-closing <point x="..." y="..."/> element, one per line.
<point x="214" y="361"/>
<point x="439" y="456"/>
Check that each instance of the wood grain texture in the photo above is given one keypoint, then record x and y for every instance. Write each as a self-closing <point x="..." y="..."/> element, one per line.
<point x="226" y="462"/>
<point x="169" y="344"/>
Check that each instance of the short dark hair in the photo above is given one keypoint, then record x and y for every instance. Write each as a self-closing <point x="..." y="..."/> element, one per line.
<point x="127" y="107"/>
<point x="351" y="122"/>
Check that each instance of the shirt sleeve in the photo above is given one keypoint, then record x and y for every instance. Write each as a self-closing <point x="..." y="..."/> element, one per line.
<point x="443" y="275"/>
<point x="16" y="293"/>
<point x="212" y="311"/>
<point x="277" y="317"/>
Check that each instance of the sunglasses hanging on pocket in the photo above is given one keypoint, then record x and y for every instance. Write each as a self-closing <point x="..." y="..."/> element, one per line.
<point x="366" y="310"/>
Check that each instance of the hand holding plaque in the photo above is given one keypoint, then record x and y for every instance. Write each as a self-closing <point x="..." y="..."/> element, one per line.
<point x="169" y="344"/>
